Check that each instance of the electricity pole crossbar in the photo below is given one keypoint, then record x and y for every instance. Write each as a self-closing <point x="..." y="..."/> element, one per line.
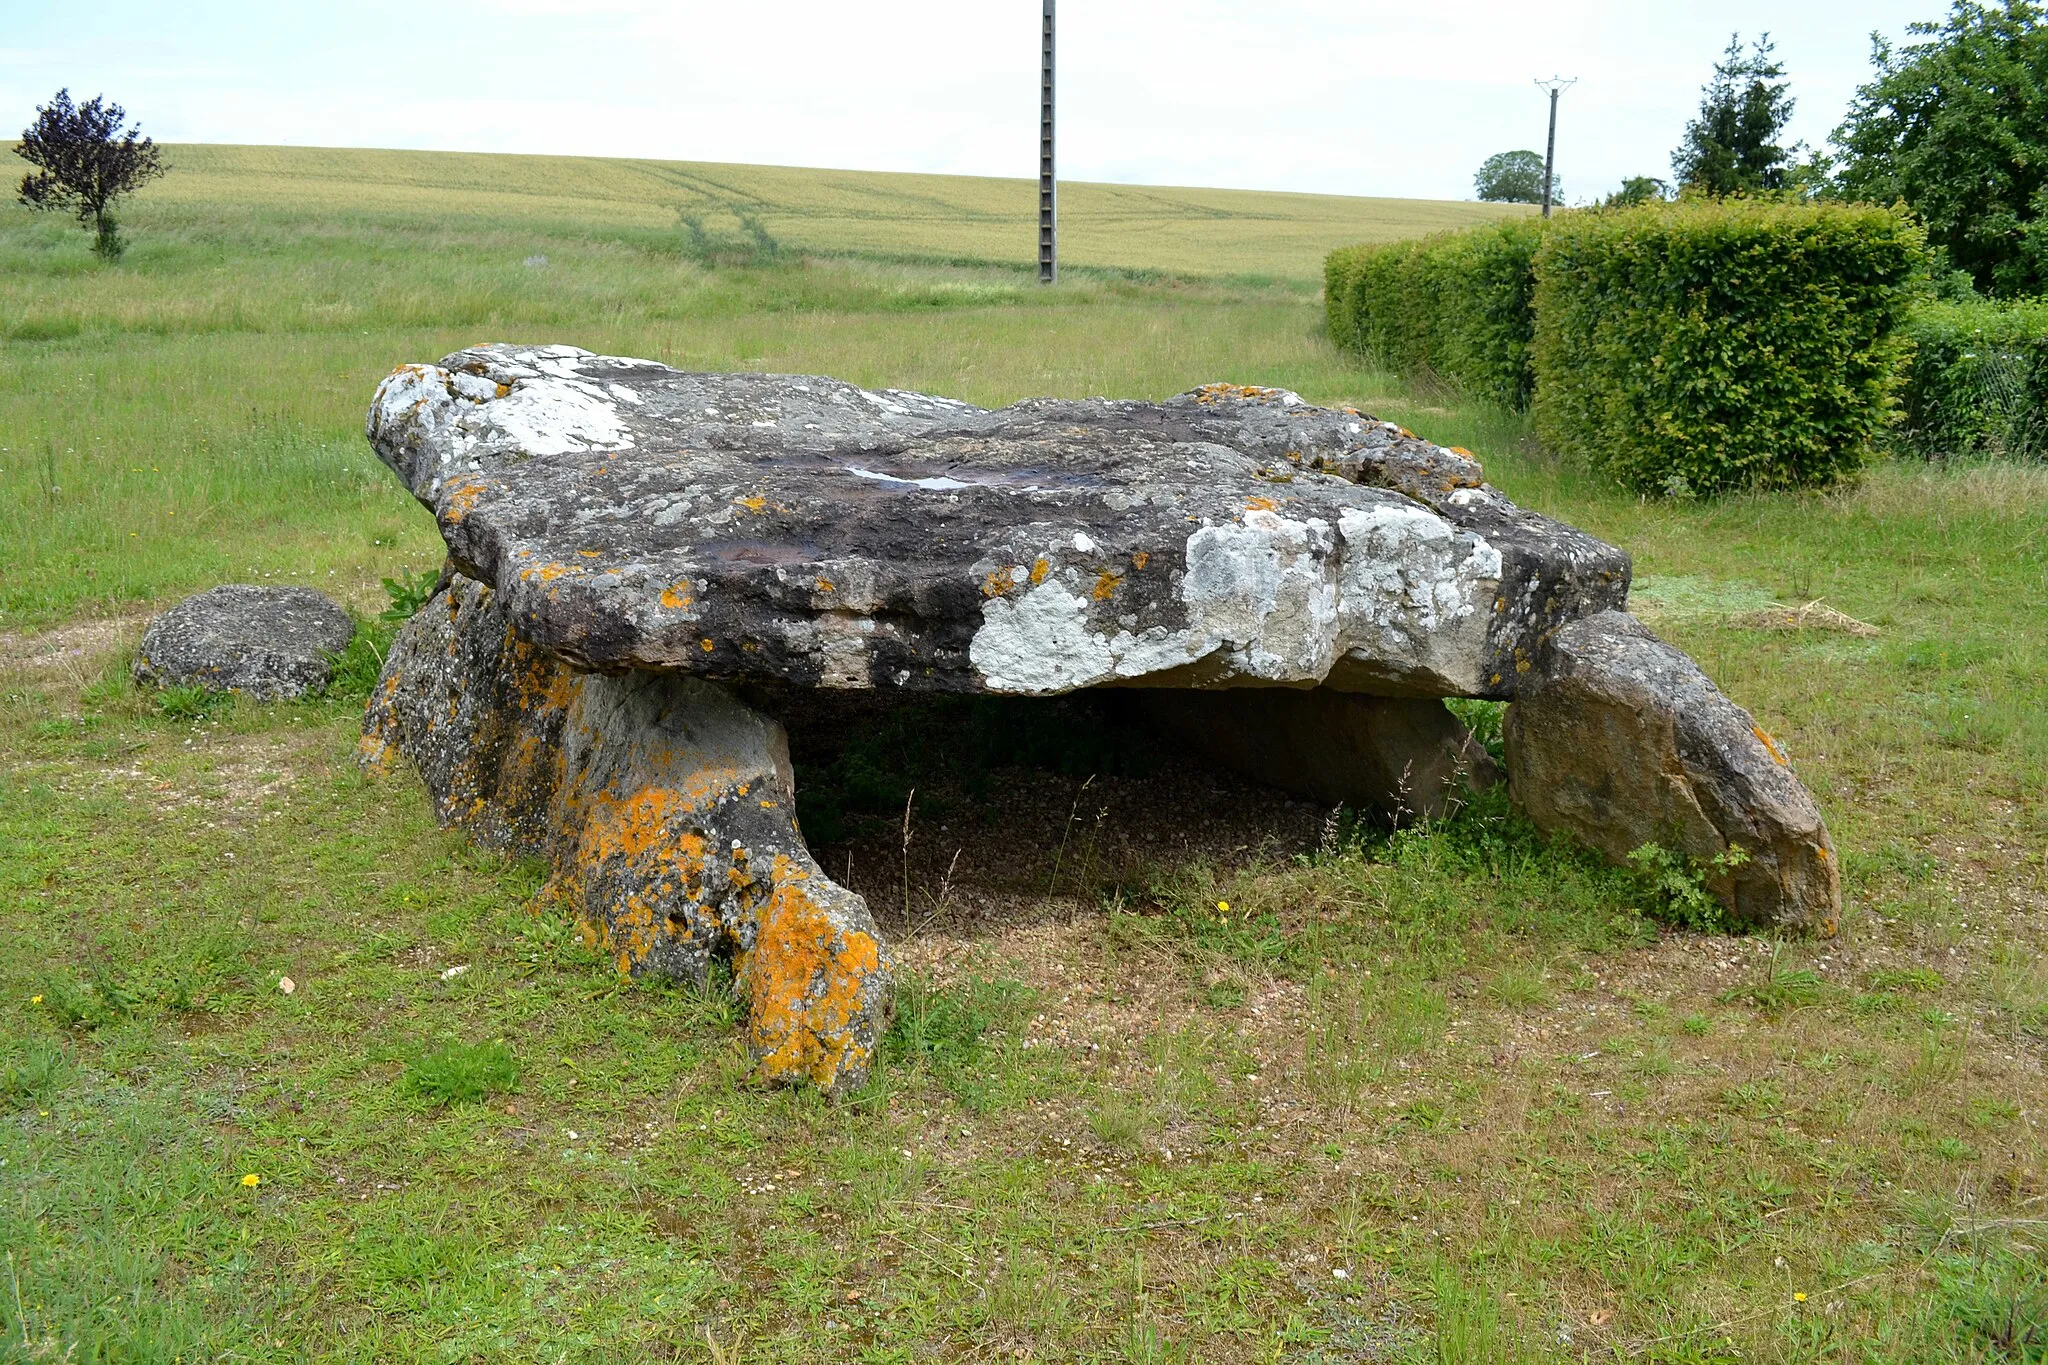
<point x="1556" y="85"/>
<point x="1048" y="190"/>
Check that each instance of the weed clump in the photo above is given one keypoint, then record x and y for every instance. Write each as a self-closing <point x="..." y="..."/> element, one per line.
<point x="32" y="1074"/>
<point x="1781" y="987"/>
<point x="945" y="1031"/>
<point x="191" y="702"/>
<point x="1677" y="885"/>
<point x="462" y="1073"/>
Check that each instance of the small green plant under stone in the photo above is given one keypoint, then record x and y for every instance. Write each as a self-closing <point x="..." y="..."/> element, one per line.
<point x="1677" y="885"/>
<point x="408" y="593"/>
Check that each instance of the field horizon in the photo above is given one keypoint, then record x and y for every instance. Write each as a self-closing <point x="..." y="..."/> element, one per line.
<point x="1203" y="230"/>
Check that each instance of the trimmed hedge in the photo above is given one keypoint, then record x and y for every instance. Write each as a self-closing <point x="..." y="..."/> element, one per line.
<point x="1978" y="381"/>
<point x="1456" y="305"/>
<point x="1705" y="346"/>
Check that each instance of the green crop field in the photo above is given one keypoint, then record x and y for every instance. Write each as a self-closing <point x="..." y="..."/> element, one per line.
<point x="919" y="218"/>
<point x="1448" y="1095"/>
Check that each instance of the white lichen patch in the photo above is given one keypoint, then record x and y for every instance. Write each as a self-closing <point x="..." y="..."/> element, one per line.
<point x="1413" y="591"/>
<point x="1266" y="590"/>
<point x="1273" y="598"/>
<point x="537" y="404"/>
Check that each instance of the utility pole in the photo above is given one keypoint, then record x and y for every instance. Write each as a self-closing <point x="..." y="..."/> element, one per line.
<point x="1556" y="85"/>
<point x="1048" y="188"/>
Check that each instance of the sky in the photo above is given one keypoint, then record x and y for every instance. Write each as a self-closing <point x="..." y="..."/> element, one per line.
<point x="1360" y="97"/>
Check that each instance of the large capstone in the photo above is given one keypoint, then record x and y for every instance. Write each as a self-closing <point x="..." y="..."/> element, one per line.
<point x="807" y="530"/>
<point x="1293" y="588"/>
<point x="269" y="643"/>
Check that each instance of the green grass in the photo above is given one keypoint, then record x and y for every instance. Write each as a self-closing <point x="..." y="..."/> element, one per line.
<point x="1483" y="1077"/>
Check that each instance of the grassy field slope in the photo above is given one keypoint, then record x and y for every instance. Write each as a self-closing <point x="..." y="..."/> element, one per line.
<point x="1153" y="229"/>
<point x="1179" y="1072"/>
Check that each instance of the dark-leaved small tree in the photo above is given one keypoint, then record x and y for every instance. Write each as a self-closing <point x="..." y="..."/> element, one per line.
<point x="1514" y="178"/>
<point x="1732" y="147"/>
<point x="85" y="160"/>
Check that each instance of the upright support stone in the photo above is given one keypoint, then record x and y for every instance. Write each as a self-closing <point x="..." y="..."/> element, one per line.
<point x="666" y="808"/>
<point x="1620" y="740"/>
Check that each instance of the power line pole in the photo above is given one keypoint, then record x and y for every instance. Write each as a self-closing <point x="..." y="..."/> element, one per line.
<point x="1048" y="189"/>
<point x="1556" y="85"/>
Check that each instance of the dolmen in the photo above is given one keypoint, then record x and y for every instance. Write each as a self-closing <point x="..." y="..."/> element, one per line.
<point x="637" y="556"/>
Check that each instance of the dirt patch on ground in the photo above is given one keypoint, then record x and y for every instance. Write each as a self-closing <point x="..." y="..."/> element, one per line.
<point x="70" y="656"/>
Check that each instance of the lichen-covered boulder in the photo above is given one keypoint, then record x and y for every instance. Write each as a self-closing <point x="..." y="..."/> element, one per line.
<point x="269" y="643"/>
<point x="803" y="529"/>
<point x="1620" y="740"/>
<point x="666" y="808"/>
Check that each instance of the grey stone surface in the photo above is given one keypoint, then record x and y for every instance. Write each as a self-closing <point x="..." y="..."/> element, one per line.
<point x="1401" y="758"/>
<point x="1620" y="740"/>
<point x="803" y="529"/>
<point x="269" y="643"/>
<point x="666" y="809"/>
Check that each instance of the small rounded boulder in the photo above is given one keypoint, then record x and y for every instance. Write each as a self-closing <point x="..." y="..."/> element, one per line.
<point x="269" y="643"/>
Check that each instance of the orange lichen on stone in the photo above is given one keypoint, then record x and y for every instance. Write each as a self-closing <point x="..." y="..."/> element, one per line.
<point x="1259" y="504"/>
<point x="1765" y="740"/>
<point x="824" y="584"/>
<point x="677" y="597"/>
<point x="462" y="501"/>
<point x="706" y="646"/>
<point x="1105" y="585"/>
<point x="1209" y="393"/>
<point x="590" y="554"/>
<point x="1140" y="559"/>
<point x="807" y="980"/>
<point x="1039" y="569"/>
<point x="641" y="840"/>
<point x="999" y="582"/>
<point x="753" y="502"/>
<point x="545" y="573"/>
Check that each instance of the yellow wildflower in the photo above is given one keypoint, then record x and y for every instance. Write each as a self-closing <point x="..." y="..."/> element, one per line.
<point x="35" y="1000"/>
<point x="1224" y="906"/>
<point x="252" y="1180"/>
<point x="1799" y="1298"/>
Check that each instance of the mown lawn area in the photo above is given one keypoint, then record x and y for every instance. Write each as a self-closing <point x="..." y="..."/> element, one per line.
<point x="1259" y="1088"/>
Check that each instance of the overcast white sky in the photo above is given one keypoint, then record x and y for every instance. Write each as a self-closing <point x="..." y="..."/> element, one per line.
<point x="1338" y="96"/>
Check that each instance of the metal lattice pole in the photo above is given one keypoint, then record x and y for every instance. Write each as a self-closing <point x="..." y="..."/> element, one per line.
<point x="1048" y="187"/>
<point x="1556" y="85"/>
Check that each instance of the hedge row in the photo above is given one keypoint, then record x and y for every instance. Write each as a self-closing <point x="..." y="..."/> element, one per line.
<point x="1456" y="305"/>
<point x="1708" y="346"/>
<point x="1978" y="381"/>
<point x="1684" y="348"/>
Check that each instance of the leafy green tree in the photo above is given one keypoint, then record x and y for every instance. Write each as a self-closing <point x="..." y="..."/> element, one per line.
<point x="1515" y="178"/>
<point x="1637" y="189"/>
<point x="1955" y="123"/>
<point x="1733" y="146"/>
<point x="84" y="160"/>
